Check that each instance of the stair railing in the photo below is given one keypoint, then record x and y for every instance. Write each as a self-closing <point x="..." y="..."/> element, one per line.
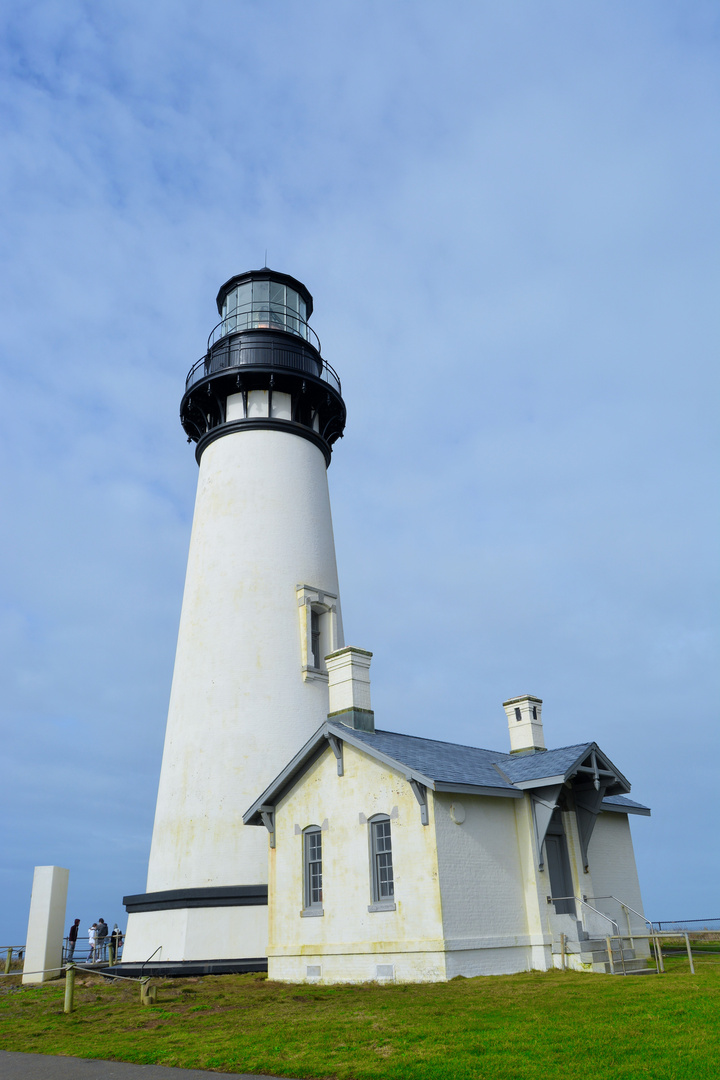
<point x="626" y="908"/>
<point x="580" y="900"/>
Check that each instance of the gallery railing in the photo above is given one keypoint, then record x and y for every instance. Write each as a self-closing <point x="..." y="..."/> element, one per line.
<point x="263" y="317"/>
<point x="240" y="350"/>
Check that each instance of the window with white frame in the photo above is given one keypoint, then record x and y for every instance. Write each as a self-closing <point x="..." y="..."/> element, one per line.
<point x="381" y="864"/>
<point x="312" y="868"/>
<point x="318" y="629"/>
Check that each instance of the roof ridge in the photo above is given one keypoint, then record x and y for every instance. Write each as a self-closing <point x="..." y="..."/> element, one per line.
<point x="440" y="742"/>
<point x="467" y="746"/>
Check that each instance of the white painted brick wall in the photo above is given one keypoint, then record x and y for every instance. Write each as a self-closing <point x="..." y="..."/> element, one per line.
<point x="481" y="882"/>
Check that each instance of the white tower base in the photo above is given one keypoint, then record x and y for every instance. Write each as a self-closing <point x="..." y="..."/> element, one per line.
<point x="245" y="696"/>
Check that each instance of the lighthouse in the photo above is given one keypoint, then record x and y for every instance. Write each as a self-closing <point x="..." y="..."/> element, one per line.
<point x="260" y="612"/>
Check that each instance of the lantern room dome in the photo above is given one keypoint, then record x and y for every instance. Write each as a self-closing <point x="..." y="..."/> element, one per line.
<point x="263" y="367"/>
<point x="264" y="299"/>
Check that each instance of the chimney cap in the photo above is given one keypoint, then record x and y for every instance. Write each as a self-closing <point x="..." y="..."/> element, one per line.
<point x="523" y="697"/>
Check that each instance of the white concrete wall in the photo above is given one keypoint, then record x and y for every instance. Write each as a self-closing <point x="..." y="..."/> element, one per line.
<point x="482" y="886"/>
<point x="348" y="942"/>
<point x="217" y="933"/>
<point x="46" y="924"/>
<point x="239" y="707"/>
<point x="613" y="870"/>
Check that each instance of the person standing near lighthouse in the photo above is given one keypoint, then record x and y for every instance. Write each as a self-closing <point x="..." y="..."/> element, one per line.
<point x="72" y="939"/>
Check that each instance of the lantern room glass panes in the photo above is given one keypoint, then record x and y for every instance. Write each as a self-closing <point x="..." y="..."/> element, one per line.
<point x="264" y="304"/>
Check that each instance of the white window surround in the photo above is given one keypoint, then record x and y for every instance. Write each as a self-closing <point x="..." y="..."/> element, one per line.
<point x="382" y="883"/>
<point x="312" y="871"/>
<point x="316" y="601"/>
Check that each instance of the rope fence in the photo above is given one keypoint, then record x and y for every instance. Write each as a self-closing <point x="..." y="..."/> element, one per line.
<point x="148" y="991"/>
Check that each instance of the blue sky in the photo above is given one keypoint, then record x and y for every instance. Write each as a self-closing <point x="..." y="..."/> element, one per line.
<point x="507" y="214"/>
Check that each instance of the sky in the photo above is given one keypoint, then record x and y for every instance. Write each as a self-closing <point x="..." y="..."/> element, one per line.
<point x="508" y="216"/>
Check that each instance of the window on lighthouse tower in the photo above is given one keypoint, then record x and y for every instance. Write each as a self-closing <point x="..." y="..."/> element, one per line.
<point x="318" y="630"/>
<point x="315" y="638"/>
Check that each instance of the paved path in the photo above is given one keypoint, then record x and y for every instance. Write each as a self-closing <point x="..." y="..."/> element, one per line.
<point x="50" y="1067"/>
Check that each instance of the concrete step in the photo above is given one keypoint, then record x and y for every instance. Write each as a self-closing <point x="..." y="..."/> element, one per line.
<point x="593" y="952"/>
<point x="600" y="956"/>
<point x="597" y="949"/>
<point x="629" y="965"/>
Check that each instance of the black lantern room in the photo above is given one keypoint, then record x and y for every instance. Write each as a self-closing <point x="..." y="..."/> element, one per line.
<point x="263" y="367"/>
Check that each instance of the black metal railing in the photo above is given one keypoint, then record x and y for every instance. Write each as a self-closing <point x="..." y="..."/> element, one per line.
<point x="236" y="350"/>
<point x="264" y="317"/>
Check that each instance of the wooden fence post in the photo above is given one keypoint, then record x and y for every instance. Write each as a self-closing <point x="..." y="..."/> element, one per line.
<point x="69" y="988"/>
<point x="8" y="960"/>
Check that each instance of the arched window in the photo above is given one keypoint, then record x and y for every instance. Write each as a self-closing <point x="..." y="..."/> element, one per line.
<point x="381" y="865"/>
<point x="312" y="868"/>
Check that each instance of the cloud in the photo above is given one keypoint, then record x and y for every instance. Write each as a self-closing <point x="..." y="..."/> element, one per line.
<point x="508" y="219"/>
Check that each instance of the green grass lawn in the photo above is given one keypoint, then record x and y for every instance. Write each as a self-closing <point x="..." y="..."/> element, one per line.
<point x="515" y="1027"/>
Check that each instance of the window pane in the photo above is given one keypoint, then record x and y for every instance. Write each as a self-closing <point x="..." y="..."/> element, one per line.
<point x="277" y="305"/>
<point x="383" y="882"/>
<point x="385" y="876"/>
<point x="228" y="312"/>
<point x="313" y="868"/>
<point x="261" y="292"/>
<point x="229" y="302"/>
<point x="244" y="303"/>
<point x="277" y="293"/>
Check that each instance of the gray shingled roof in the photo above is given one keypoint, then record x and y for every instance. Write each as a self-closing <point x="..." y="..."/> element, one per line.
<point x="549" y="763"/>
<point x="442" y="761"/>
<point x="456" y="764"/>
<point x="446" y="764"/>
<point x="623" y="801"/>
<point x="453" y="763"/>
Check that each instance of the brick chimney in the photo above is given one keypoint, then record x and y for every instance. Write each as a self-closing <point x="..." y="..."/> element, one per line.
<point x="349" y="688"/>
<point x="524" y="716"/>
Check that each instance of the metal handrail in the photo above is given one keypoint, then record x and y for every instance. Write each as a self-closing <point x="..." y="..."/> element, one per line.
<point x="655" y="938"/>
<point x="686" y="922"/>
<point x="142" y="966"/>
<point x="264" y="317"/>
<point x="579" y="900"/>
<point x="204" y="366"/>
<point x="623" y="905"/>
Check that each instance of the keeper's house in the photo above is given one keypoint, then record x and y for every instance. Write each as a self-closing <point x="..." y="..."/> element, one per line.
<point x="396" y="857"/>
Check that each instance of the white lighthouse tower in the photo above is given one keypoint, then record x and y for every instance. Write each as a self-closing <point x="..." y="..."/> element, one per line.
<point x="261" y="610"/>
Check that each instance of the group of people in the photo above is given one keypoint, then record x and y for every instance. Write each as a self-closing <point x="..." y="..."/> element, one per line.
<point x="99" y="937"/>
